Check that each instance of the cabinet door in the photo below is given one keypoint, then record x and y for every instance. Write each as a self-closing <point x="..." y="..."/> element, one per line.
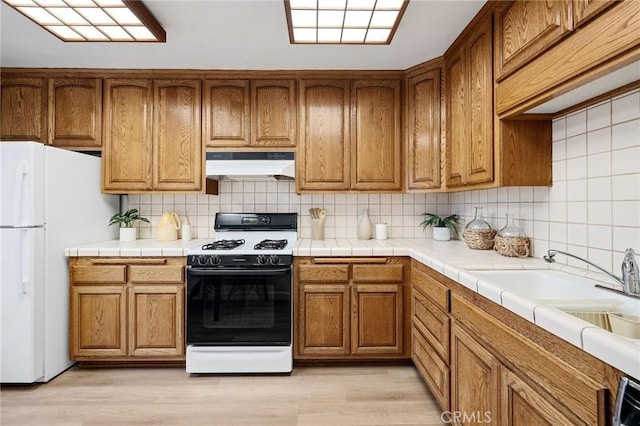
<point x="226" y="113"/>
<point x="424" y="131"/>
<point x="98" y="321"/>
<point x="376" y="327"/>
<point x="457" y="122"/>
<point x="323" y="319"/>
<point x="127" y="140"/>
<point x="23" y="109"/>
<point x="431" y="367"/>
<point x="375" y="135"/>
<point x="75" y="112"/>
<point x="177" y="145"/>
<point x="521" y="405"/>
<point x="324" y="157"/>
<point x="583" y="10"/>
<point x="273" y="113"/>
<point x="524" y="29"/>
<point x="480" y="142"/>
<point x="156" y="324"/>
<point x="475" y="379"/>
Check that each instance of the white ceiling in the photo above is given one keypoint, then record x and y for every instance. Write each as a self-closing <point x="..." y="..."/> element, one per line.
<point x="237" y="34"/>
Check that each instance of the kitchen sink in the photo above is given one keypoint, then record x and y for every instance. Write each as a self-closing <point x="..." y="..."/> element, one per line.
<point x="572" y="294"/>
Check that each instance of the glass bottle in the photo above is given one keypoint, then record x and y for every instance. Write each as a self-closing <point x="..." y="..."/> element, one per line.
<point x="478" y="221"/>
<point x="510" y="230"/>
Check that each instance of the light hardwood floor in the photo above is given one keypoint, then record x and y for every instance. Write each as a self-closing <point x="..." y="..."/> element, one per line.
<point x="318" y="395"/>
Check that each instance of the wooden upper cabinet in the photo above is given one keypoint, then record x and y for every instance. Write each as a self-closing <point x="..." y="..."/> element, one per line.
<point x="177" y="147"/>
<point x="375" y="135"/>
<point x="469" y="75"/>
<point x="524" y="29"/>
<point x="324" y="160"/>
<point x="457" y="121"/>
<point x="583" y="10"/>
<point x="480" y="98"/>
<point x="75" y="112"/>
<point x="226" y="113"/>
<point x="24" y="109"/>
<point x="273" y="113"/>
<point x="127" y="135"/>
<point x="424" y="119"/>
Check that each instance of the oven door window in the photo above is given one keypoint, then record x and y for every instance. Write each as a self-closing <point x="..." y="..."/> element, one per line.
<point x="239" y="307"/>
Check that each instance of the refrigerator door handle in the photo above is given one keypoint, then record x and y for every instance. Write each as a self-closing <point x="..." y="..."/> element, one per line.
<point x="24" y="269"/>
<point x="21" y="174"/>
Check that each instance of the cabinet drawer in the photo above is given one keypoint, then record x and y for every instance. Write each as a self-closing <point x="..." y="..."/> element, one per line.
<point x="378" y="273"/>
<point x="156" y="274"/>
<point x="433" y="370"/>
<point x="432" y="322"/>
<point x="430" y="287"/>
<point x="323" y="273"/>
<point x="112" y="274"/>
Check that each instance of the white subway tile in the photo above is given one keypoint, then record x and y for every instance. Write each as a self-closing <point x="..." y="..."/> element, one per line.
<point x="626" y="187"/>
<point x="599" y="116"/>
<point x="576" y="123"/>
<point x="626" y="107"/>
<point x="600" y="237"/>
<point x="576" y="168"/>
<point x="599" y="141"/>
<point x="626" y="135"/>
<point x="577" y="212"/>
<point x="599" y="212"/>
<point x="559" y="150"/>
<point x="626" y="161"/>
<point x="599" y="189"/>
<point x="577" y="234"/>
<point x="577" y="146"/>
<point x="626" y="237"/>
<point x="626" y="213"/>
<point x="558" y="232"/>
<point x="577" y="190"/>
<point x="558" y="128"/>
<point x="599" y="165"/>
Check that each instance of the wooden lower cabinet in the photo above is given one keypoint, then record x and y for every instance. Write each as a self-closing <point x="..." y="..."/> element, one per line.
<point x="522" y="405"/>
<point x="350" y="309"/>
<point x="485" y="365"/>
<point x="475" y="379"/>
<point x="126" y="309"/>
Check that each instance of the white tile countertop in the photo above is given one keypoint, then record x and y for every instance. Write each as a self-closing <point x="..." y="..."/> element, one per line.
<point x="451" y="258"/>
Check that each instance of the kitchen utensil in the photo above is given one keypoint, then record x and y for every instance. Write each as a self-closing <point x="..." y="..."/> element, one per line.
<point x="168" y="225"/>
<point x="381" y="231"/>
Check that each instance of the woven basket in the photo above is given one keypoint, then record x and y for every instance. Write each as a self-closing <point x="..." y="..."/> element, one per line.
<point x="479" y="239"/>
<point x="512" y="246"/>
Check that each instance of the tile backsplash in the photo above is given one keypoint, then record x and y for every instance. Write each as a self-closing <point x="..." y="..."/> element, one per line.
<point x="592" y="210"/>
<point x="402" y="212"/>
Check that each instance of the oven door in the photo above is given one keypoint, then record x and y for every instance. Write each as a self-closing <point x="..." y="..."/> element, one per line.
<point x="239" y="307"/>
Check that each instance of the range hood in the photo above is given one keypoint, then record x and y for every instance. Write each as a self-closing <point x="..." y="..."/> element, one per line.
<point x="250" y="165"/>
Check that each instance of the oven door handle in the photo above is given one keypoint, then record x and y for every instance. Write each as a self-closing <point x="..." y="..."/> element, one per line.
<point x="212" y="272"/>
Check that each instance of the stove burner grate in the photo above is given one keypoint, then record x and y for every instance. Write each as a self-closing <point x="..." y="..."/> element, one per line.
<point x="223" y="245"/>
<point x="271" y="245"/>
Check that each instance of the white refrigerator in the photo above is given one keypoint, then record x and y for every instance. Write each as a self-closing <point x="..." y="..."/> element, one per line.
<point x="50" y="199"/>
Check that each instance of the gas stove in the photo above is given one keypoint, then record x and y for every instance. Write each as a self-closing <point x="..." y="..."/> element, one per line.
<point x="248" y="239"/>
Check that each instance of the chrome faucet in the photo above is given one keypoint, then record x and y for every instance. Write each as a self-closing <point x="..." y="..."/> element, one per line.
<point x="630" y="281"/>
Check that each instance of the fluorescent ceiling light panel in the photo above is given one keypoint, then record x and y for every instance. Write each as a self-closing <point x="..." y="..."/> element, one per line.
<point x="95" y="20"/>
<point x="343" y="21"/>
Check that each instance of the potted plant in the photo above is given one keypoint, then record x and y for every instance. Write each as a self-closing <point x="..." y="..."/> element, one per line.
<point x="443" y="227"/>
<point x="126" y="221"/>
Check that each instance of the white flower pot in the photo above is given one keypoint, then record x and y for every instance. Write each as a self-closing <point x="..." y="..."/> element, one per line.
<point x="128" y="234"/>
<point x="441" y="233"/>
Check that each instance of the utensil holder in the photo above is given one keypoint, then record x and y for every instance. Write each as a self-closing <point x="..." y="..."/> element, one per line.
<point x="317" y="228"/>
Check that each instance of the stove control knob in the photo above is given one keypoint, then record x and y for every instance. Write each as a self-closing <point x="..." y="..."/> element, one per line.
<point x="274" y="259"/>
<point x="202" y="260"/>
<point x="262" y="259"/>
<point x="214" y="260"/>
